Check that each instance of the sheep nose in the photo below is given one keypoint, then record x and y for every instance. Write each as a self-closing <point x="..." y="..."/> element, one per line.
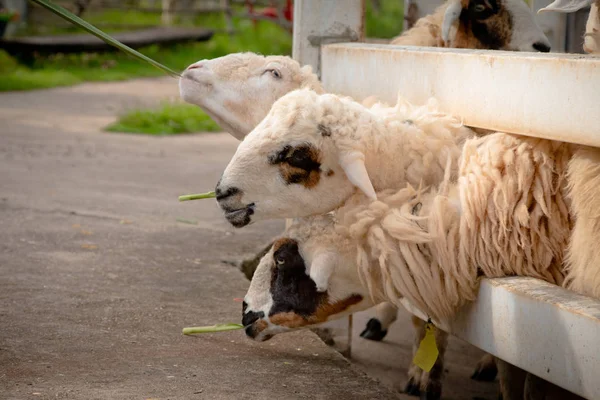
<point x="248" y="319"/>
<point x="198" y="65"/>
<point x="222" y="193"/>
<point x="543" y="47"/>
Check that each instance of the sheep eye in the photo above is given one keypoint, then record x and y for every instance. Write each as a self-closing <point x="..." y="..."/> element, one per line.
<point x="276" y="74"/>
<point x="280" y="261"/>
<point x="479" y="8"/>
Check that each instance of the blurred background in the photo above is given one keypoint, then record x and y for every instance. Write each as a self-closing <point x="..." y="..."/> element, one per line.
<point x="40" y="50"/>
<point x="237" y="25"/>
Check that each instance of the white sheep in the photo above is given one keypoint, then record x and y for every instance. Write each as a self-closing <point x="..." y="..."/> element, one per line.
<point x="225" y="86"/>
<point x="238" y="90"/>
<point x="506" y="215"/>
<point x="591" y="38"/>
<point x="222" y="86"/>
<point x="312" y="151"/>
<point x="478" y="24"/>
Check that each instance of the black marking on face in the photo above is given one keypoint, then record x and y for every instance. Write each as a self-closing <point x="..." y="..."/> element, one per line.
<point x="298" y="164"/>
<point x="489" y="22"/>
<point x="292" y="289"/>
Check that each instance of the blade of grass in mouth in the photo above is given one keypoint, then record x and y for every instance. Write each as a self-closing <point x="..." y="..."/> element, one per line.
<point x="208" y="195"/>
<point x="75" y="20"/>
<point x="213" y="328"/>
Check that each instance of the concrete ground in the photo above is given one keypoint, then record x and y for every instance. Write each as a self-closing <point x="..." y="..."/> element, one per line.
<point x="101" y="268"/>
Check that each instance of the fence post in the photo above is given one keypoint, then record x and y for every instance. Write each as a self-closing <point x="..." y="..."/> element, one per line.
<point x="318" y="22"/>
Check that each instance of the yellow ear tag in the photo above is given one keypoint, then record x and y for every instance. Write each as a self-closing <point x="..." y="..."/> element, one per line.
<point x="427" y="353"/>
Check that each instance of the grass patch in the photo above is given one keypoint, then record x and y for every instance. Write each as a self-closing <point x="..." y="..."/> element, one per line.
<point x="169" y="119"/>
<point x="386" y="22"/>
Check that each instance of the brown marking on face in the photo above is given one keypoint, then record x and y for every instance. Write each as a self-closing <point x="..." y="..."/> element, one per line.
<point x="330" y="173"/>
<point x="260" y="325"/>
<point x="288" y="319"/>
<point x="324" y="311"/>
<point x="484" y="24"/>
<point x="298" y="165"/>
<point x="280" y="242"/>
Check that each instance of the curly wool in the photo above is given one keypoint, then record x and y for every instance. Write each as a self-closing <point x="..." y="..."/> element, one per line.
<point x="506" y="215"/>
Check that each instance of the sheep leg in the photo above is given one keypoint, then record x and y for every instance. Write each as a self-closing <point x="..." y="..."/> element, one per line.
<point x="485" y="370"/>
<point x="413" y="385"/>
<point x="431" y="382"/>
<point x="427" y="385"/>
<point x="512" y="380"/>
<point x="377" y="328"/>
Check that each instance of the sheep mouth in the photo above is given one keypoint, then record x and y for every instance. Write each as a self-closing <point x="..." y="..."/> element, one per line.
<point x="256" y="331"/>
<point x="187" y="75"/>
<point x="240" y="217"/>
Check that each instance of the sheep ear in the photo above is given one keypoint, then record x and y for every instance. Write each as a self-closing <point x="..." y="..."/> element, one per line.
<point x="450" y="16"/>
<point x="353" y="164"/>
<point x="566" y="6"/>
<point x="321" y="269"/>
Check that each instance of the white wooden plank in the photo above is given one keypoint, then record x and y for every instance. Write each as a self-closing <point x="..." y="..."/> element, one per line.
<point x="543" y="95"/>
<point x="542" y="328"/>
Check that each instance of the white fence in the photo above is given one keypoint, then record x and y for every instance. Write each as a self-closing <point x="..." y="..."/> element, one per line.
<point x="544" y="329"/>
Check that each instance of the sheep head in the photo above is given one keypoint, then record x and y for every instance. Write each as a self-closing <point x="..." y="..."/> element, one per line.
<point x="303" y="159"/>
<point x="238" y="90"/>
<point x="492" y="24"/>
<point x="301" y="282"/>
<point x="591" y="42"/>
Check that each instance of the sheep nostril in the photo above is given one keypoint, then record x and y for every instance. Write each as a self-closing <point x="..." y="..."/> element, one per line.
<point x="539" y="46"/>
<point x="222" y="194"/>
<point x="250" y="332"/>
<point x="197" y="65"/>
<point x="251" y="317"/>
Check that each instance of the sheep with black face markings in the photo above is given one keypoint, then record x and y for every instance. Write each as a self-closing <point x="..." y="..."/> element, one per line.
<point x="506" y="215"/>
<point x="322" y="147"/>
<point x="223" y="87"/>
<point x="478" y="24"/>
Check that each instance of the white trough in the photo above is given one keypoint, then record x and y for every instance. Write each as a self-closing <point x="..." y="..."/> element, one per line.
<point x="554" y="96"/>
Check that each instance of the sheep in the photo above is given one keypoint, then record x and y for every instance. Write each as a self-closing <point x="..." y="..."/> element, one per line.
<point x="423" y="123"/>
<point x="225" y="85"/>
<point x="246" y="77"/>
<point x="322" y="147"/>
<point x="506" y="215"/>
<point x="478" y="24"/>
<point x="591" y="41"/>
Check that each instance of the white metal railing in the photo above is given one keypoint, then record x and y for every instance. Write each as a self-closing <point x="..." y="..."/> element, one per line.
<point x="542" y="328"/>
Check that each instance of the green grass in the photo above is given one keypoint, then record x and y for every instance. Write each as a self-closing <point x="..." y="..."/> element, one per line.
<point x="170" y="119"/>
<point x="387" y="23"/>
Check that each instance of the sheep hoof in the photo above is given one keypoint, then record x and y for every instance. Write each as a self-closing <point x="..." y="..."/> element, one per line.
<point x="433" y="392"/>
<point x="373" y="331"/>
<point x="412" y="388"/>
<point x="485" y="372"/>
